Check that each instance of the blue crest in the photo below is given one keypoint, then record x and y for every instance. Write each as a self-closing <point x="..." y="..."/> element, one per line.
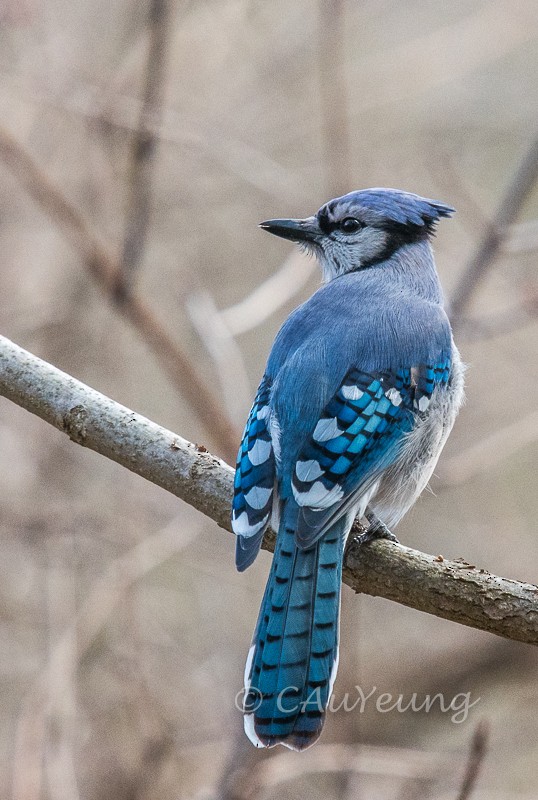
<point x="382" y="206"/>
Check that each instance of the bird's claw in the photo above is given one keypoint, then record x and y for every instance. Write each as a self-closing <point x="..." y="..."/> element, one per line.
<point x="376" y="530"/>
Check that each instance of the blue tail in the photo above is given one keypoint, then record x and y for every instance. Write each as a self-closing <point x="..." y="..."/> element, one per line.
<point x="294" y="655"/>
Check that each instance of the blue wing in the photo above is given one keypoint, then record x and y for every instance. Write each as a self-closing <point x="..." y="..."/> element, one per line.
<point x="254" y="481"/>
<point x="357" y="437"/>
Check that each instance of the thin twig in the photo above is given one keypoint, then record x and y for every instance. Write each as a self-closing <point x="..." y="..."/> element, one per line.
<point x="520" y="186"/>
<point x="74" y="642"/>
<point x="58" y="750"/>
<point x="522" y="237"/>
<point x="333" y="89"/>
<point x="341" y="758"/>
<point x="105" y="269"/>
<point x="476" y="757"/>
<point x="270" y="295"/>
<point x="224" y="351"/>
<point x="144" y="146"/>
<point x="239" y="157"/>
<point x="451" y="180"/>
<point x="453" y="590"/>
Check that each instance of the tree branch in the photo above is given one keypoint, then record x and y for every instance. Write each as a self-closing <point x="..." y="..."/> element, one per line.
<point x="333" y="95"/>
<point x="273" y="293"/>
<point x="477" y="754"/>
<point x="522" y="183"/>
<point x="144" y="146"/>
<point x="224" y="352"/>
<point x="453" y="590"/>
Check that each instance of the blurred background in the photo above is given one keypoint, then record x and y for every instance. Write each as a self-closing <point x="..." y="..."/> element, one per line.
<point x="140" y="145"/>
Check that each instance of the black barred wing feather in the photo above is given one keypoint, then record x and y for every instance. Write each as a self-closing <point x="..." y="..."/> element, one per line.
<point x="357" y="437"/>
<point x="427" y="377"/>
<point x="254" y="481"/>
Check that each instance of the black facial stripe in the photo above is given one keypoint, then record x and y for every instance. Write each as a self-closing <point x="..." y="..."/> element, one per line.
<point x="398" y="236"/>
<point x="325" y="223"/>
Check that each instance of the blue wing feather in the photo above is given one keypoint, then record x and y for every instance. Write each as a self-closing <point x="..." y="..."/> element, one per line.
<point x="428" y="377"/>
<point x="254" y="481"/>
<point x="358" y="436"/>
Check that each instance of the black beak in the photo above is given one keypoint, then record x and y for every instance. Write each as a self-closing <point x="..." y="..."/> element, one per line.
<point x="298" y="230"/>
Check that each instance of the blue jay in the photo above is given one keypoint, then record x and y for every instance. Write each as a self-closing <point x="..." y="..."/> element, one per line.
<point x="360" y="392"/>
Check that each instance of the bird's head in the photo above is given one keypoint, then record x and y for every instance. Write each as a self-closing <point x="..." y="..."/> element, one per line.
<point x="362" y="228"/>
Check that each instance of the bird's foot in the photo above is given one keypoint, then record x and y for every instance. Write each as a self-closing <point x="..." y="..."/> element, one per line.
<point x="376" y="530"/>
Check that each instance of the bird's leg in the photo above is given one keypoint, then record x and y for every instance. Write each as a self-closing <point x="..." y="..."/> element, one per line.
<point x="376" y="530"/>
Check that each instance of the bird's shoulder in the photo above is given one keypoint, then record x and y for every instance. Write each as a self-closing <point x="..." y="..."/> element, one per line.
<point x="356" y="322"/>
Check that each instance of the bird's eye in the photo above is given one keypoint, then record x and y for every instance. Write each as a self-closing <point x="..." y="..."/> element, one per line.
<point x="350" y="225"/>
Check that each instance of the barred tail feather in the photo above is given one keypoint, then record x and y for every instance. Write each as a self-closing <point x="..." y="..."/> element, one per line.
<point x="292" y="663"/>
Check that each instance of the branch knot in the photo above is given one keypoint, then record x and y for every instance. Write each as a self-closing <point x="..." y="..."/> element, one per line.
<point x="74" y="424"/>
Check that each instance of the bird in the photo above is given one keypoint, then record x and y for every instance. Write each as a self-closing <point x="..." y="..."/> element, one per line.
<point x="360" y="392"/>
